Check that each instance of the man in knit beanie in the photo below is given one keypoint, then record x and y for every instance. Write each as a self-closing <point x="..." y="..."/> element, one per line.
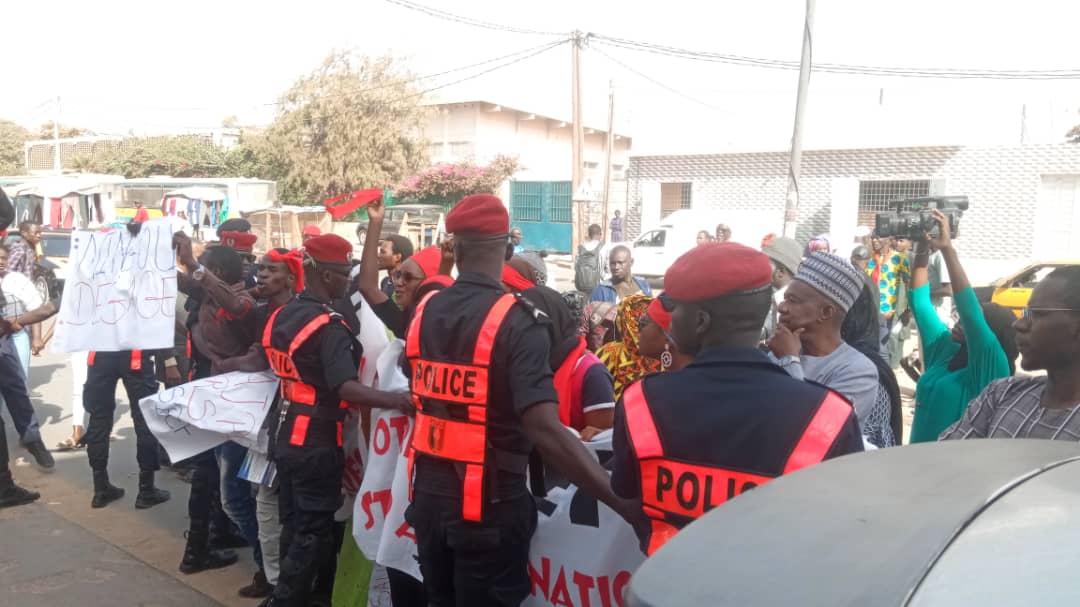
<point x="807" y="343"/>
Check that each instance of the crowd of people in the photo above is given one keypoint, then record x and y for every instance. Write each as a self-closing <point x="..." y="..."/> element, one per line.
<point x="748" y="365"/>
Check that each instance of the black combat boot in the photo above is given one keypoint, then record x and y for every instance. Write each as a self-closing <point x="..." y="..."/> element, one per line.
<point x="104" y="491"/>
<point x="258" y="588"/>
<point x="199" y="557"/>
<point x="149" y="495"/>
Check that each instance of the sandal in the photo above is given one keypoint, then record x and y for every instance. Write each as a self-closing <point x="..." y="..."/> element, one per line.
<point x="72" y="443"/>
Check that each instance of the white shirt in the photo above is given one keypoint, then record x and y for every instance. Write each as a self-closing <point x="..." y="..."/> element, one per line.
<point x="20" y="294"/>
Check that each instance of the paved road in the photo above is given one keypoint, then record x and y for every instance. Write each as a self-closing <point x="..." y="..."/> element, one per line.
<point x="60" y="549"/>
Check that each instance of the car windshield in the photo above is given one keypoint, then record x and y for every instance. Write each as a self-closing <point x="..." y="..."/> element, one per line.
<point x="56" y="245"/>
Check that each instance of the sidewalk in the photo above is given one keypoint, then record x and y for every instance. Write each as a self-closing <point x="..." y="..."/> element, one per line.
<point x="50" y="562"/>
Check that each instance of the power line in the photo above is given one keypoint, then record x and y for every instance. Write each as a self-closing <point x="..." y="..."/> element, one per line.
<point x="432" y="12"/>
<point x="836" y="68"/>
<point x="658" y="83"/>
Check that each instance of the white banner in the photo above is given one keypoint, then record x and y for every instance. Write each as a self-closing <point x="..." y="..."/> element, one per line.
<point x="203" y="414"/>
<point x="120" y="291"/>
<point x="581" y="554"/>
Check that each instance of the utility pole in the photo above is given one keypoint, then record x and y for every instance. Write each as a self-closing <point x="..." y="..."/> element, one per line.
<point x="791" y="207"/>
<point x="58" y="166"/>
<point x="1023" y="124"/>
<point x="577" y="137"/>
<point x="608" y="145"/>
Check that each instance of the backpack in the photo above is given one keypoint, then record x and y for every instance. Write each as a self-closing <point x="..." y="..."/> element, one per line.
<point x="588" y="271"/>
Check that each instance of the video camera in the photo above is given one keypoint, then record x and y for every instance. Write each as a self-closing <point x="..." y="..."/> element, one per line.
<point x="913" y="218"/>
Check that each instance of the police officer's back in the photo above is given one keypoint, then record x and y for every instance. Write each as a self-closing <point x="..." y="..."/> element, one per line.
<point x="689" y="440"/>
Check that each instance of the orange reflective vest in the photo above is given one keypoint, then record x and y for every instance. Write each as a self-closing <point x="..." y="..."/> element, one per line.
<point x="462" y="385"/>
<point x="136" y="359"/>
<point x="678" y="490"/>
<point x="294" y="391"/>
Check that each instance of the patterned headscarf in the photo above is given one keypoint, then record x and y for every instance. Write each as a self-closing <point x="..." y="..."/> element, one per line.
<point x="577" y="302"/>
<point x="622" y="358"/>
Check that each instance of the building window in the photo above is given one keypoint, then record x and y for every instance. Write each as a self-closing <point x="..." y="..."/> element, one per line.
<point x="876" y="196"/>
<point x="674" y="196"/>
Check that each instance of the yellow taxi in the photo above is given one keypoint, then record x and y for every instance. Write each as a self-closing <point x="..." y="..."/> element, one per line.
<point x="1014" y="290"/>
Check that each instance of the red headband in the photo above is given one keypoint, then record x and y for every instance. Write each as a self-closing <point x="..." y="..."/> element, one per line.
<point x="515" y="280"/>
<point x="295" y="260"/>
<point x="659" y="315"/>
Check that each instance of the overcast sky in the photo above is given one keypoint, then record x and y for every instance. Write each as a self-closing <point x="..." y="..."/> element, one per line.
<point x="120" y="65"/>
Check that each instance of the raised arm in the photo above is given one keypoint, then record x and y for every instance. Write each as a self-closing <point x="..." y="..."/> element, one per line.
<point x="369" y="257"/>
<point x="215" y="288"/>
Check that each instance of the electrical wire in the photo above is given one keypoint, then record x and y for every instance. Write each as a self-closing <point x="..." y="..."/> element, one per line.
<point x="657" y="82"/>
<point x="432" y="12"/>
<point x="954" y="73"/>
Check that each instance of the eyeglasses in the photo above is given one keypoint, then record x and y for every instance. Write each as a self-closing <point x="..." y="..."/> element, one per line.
<point x="1030" y="312"/>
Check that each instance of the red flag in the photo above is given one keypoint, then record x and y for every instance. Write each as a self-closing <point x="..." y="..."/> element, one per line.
<point x="340" y="206"/>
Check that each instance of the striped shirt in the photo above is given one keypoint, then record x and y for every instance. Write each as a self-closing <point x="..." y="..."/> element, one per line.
<point x="1010" y="408"/>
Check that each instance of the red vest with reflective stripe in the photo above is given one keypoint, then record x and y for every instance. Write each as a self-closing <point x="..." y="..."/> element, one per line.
<point x="299" y="397"/>
<point x="676" y="492"/>
<point x="463" y="441"/>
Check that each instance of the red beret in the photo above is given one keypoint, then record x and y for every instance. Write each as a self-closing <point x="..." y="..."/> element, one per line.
<point x="311" y="231"/>
<point x="716" y="269"/>
<point x="243" y="242"/>
<point x="478" y="216"/>
<point x="428" y="259"/>
<point x="329" y="248"/>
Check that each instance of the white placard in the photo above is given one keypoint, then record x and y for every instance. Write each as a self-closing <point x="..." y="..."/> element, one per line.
<point x="203" y="414"/>
<point x="120" y="291"/>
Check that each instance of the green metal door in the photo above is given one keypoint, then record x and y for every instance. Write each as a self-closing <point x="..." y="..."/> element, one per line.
<point x="544" y="212"/>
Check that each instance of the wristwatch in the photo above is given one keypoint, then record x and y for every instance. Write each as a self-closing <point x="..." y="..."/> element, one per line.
<point x="199" y="272"/>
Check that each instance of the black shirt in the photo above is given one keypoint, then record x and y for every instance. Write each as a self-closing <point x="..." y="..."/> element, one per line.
<point x="732" y="408"/>
<point x="326" y="360"/>
<point x="519" y="377"/>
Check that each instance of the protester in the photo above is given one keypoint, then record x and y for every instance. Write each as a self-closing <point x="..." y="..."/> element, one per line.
<point x="141" y="214"/>
<point x="393" y="251"/>
<point x="585" y="388"/>
<point x="891" y="272"/>
<point x="808" y="344"/>
<point x="703" y="237"/>
<point x="616" y="227"/>
<point x="623" y="283"/>
<point x="515" y="239"/>
<point x="530" y="266"/>
<point x="578" y="305"/>
<point x="655" y="339"/>
<point x="958" y="364"/>
<point x="309" y="232"/>
<point x="473" y="533"/>
<point x="589" y="262"/>
<point x="861" y="327"/>
<point x="723" y="233"/>
<point x="22" y="253"/>
<point x="784" y="255"/>
<point x="729" y="421"/>
<point x="623" y="357"/>
<point x="601" y="316"/>
<point x="318" y="377"/>
<point x="1048" y="339"/>
<point x="13" y="388"/>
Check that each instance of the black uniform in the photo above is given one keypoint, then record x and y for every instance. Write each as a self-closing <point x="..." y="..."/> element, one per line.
<point x="731" y="407"/>
<point x="136" y="371"/>
<point x="307" y="445"/>
<point x="481" y="563"/>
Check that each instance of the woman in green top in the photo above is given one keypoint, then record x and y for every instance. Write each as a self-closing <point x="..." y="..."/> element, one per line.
<point x="961" y="363"/>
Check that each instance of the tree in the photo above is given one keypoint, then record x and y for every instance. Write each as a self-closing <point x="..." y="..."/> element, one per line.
<point x="455" y="181"/>
<point x="46" y="131"/>
<point x="185" y="156"/>
<point x="12" y="137"/>
<point x="353" y="123"/>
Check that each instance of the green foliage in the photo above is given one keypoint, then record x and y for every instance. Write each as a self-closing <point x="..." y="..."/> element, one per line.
<point x="353" y="123"/>
<point x="46" y="131"/>
<point x="455" y="181"/>
<point x="12" y="137"/>
<point x="175" y="156"/>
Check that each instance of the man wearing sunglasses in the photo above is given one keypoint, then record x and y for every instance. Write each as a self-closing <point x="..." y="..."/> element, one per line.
<point x="1048" y="337"/>
<point x="687" y="441"/>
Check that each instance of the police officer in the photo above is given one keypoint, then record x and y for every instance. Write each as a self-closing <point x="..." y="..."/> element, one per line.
<point x="136" y="370"/>
<point x="482" y="384"/>
<point x="689" y="440"/>
<point x="311" y="349"/>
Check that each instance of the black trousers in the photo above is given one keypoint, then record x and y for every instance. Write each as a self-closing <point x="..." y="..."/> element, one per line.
<point x="467" y="564"/>
<point x="99" y="399"/>
<point x="309" y="493"/>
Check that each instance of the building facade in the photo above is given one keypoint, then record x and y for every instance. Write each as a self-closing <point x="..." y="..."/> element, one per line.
<point x="1025" y="199"/>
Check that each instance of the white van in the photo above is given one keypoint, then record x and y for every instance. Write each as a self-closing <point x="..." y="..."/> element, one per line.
<point x="660" y="245"/>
